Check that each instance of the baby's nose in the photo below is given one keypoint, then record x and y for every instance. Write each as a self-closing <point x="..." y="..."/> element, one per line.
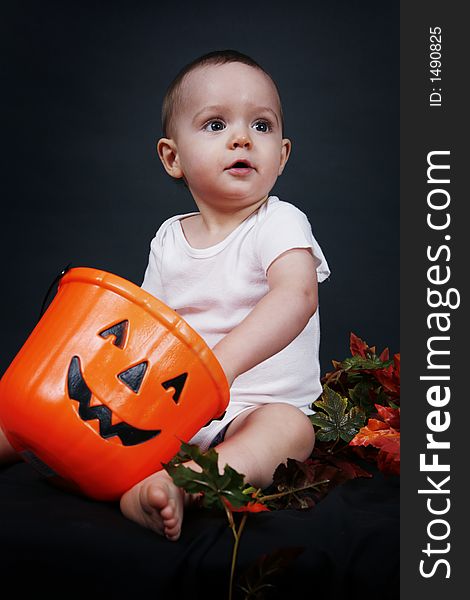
<point x="240" y="140"/>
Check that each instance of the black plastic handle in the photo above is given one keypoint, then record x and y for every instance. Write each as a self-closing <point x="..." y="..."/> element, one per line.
<point x="54" y="282"/>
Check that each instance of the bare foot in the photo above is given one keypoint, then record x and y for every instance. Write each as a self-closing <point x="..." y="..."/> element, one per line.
<point x="156" y="503"/>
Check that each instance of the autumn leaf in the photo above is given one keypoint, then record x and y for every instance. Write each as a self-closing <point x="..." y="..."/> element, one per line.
<point x="382" y="435"/>
<point x="300" y="483"/>
<point x="253" y="507"/>
<point x="364" y="378"/>
<point x="389" y="415"/>
<point x="348" y="469"/>
<point x="369" y="363"/>
<point x="334" y="422"/>
<point x="304" y="484"/>
<point x="213" y="485"/>
<point x="384" y="355"/>
<point x="389" y="377"/>
<point x="396" y="362"/>
<point x="333" y="378"/>
<point x="358" y="347"/>
<point x="388" y="462"/>
<point x="364" y="394"/>
<point x="365" y="357"/>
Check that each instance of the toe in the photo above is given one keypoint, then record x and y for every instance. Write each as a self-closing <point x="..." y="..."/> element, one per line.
<point x="168" y="512"/>
<point x="156" y="497"/>
<point x="170" y="523"/>
<point x="173" y="534"/>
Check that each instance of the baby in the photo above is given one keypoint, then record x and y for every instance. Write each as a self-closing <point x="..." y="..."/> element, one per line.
<point x="242" y="271"/>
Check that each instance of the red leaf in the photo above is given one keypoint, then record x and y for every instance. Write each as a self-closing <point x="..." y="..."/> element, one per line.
<point x="391" y="416"/>
<point x="388" y="463"/>
<point x="357" y="346"/>
<point x="350" y="469"/>
<point x="384" y="356"/>
<point x="396" y="360"/>
<point x="370" y="432"/>
<point x="253" y="507"/>
<point x="391" y="445"/>
<point x="385" y="438"/>
<point x="389" y="378"/>
<point x="373" y="434"/>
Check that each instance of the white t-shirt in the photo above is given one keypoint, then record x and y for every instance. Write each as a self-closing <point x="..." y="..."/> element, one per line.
<point x="215" y="288"/>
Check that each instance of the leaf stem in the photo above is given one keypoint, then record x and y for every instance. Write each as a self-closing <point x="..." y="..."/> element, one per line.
<point x="333" y="446"/>
<point x="300" y="489"/>
<point x="236" y="535"/>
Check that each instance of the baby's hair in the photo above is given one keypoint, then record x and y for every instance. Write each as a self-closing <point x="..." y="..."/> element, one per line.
<point x="217" y="57"/>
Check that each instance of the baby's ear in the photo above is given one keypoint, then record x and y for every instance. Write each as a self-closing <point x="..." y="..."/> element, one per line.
<point x="286" y="146"/>
<point x="168" y="153"/>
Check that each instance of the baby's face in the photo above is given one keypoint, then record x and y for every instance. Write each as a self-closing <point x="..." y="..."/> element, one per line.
<point x="228" y="135"/>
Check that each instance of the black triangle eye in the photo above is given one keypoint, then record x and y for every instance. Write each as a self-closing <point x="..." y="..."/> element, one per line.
<point x="119" y="331"/>
<point x="178" y="384"/>
<point x="133" y="377"/>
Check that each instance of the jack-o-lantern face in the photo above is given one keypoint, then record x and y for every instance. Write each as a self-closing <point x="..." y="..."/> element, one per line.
<point x="108" y="384"/>
<point x="79" y="391"/>
<point x="132" y="377"/>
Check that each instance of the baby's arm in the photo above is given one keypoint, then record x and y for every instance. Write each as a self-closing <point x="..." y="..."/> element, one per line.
<point x="266" y="436"/>
<point x="277" y="319"/>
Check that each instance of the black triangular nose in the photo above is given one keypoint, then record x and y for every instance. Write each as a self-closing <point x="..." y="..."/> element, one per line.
<point x="133" y="377"/>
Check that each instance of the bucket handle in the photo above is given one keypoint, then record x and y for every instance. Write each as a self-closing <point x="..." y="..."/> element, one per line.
<point x="54" y="282"/>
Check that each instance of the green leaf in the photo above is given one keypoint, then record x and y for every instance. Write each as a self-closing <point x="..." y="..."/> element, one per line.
<point x="356" y="419"/>
<point x="335" y="423"/>
<point x="213" y="485"/>
<point x="371" y="362"/>
<point x="328" y="429"/>
<point x="360" y="395"/>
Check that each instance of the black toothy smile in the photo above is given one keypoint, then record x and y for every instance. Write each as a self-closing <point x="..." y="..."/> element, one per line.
<point x="79" y="391"/>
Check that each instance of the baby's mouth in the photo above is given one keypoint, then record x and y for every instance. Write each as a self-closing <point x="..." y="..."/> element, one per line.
<point x="240" y="167"/>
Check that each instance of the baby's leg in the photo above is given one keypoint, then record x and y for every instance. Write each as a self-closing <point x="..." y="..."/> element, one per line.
<point x="259" y="440"/>
<point x="256" y="442"/>
<point x="7" y="454"/>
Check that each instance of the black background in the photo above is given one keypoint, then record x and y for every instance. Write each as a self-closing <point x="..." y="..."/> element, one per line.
<point x="82" y="89"/>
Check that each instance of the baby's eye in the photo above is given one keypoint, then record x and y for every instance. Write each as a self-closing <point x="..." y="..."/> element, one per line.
<point x="262" y="126"/>
<point x="214" y="125"/>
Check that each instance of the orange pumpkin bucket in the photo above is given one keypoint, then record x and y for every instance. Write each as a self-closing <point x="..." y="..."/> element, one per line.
<point x="107" y="385"/>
